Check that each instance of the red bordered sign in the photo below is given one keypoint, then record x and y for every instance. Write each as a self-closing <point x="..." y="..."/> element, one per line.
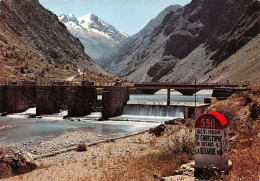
<point x="212" y="120"/>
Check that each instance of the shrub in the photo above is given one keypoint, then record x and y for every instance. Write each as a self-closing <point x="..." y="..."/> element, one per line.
<point x="81" y="147"/>
<point x="244" y="154"/>
<point x="254" y="108"/>
<point x="227" y="108"/>
<point x="184" y="143"/>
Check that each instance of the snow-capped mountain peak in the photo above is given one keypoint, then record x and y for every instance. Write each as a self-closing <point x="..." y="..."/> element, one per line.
<point x="90" y="22"/>
<point x="86" y="20"/>
<point x="94" y="33"/>
<point x="72" y="18"/>
<point x="63" y="18"/>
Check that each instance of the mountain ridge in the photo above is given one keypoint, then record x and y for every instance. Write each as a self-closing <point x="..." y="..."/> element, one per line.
<point x="128" y="45"/>
<point x="189" y="42"/>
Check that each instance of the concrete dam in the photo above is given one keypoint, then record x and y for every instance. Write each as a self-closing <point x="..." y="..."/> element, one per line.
<point x="81" y="100"/>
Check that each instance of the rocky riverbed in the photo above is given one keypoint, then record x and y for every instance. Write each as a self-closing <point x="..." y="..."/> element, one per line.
<point x="62" y="143"/>
<point x="6" y="127"/>
<point x="118" y="158"/>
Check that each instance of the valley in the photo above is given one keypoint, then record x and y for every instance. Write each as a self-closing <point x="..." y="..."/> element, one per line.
<point x="81" y="99"/>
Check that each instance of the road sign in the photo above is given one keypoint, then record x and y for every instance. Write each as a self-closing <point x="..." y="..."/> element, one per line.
<point x="211" y="141"/>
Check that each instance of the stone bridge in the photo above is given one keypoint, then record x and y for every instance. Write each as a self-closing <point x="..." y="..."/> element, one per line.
<point x="221" y="91"/>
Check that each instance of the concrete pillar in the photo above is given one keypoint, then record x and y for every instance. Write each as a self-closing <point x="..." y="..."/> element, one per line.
<point x="50" y="99"/>
<point x="113" y="101"/>
<point x="2" y="99"/>
<point x="168" y="97"/>
<point x="81" y="101"/>
<point x="19" y="98"/>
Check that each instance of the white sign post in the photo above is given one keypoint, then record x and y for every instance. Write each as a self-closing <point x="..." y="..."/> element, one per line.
<point x="211" y="141"/>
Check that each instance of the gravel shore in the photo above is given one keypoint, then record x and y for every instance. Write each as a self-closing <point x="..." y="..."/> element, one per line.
<point x="136" y="156"/>
<point x="67" y="141"/>
<point x="60" y="144"/>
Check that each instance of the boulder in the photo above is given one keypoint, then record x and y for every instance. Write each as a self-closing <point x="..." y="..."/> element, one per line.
<point x="14" y="162"/>
<point x="158" y="131"/>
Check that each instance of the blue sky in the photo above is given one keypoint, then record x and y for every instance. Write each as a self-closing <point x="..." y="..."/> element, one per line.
<point x="129" y="16"/>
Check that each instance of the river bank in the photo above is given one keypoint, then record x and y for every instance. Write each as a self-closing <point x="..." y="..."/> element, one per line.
<point x="141" y="154"/>
<point x="63" y="143"/>
<point x="155" y="153"/>
<point x="69" y="141"/>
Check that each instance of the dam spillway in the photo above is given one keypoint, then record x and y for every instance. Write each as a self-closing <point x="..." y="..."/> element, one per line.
<point x="153" y="110"/>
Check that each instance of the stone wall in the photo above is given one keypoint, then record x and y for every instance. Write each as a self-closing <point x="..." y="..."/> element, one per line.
<point x="113" y="101"/>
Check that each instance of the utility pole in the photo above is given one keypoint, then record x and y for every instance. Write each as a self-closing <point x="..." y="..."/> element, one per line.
<point x="83" y="74"/>
<point x="168" y="97"/>
<point x="83" y="77"/>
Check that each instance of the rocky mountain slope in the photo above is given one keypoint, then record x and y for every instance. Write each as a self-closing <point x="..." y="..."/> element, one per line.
<point x="128" y="46"/>
<point x="33" y="43"/>
<point x="156" y="21"/>
<point x="243" y="65"/>
<point x="190" y="42"/>
<point x="97" y="36"/>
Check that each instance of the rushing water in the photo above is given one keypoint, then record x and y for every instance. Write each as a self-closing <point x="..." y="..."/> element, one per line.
<point x="134" y="118"/>
<point x="27" y="130"/>
<point x="158" y="113"/>
<point x="153" y="110"/>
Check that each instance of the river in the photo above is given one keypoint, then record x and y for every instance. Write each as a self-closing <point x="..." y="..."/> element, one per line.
<point x="23" y="130"/>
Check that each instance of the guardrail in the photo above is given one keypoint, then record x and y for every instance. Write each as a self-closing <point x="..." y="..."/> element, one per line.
<point x="245" y="83"/>
<point x="125" y="84"/>
<point x="61" y="83"/>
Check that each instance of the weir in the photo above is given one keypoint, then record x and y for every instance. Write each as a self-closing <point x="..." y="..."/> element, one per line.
<point x="154" y="110"/>
<point x="81" y="99"/>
